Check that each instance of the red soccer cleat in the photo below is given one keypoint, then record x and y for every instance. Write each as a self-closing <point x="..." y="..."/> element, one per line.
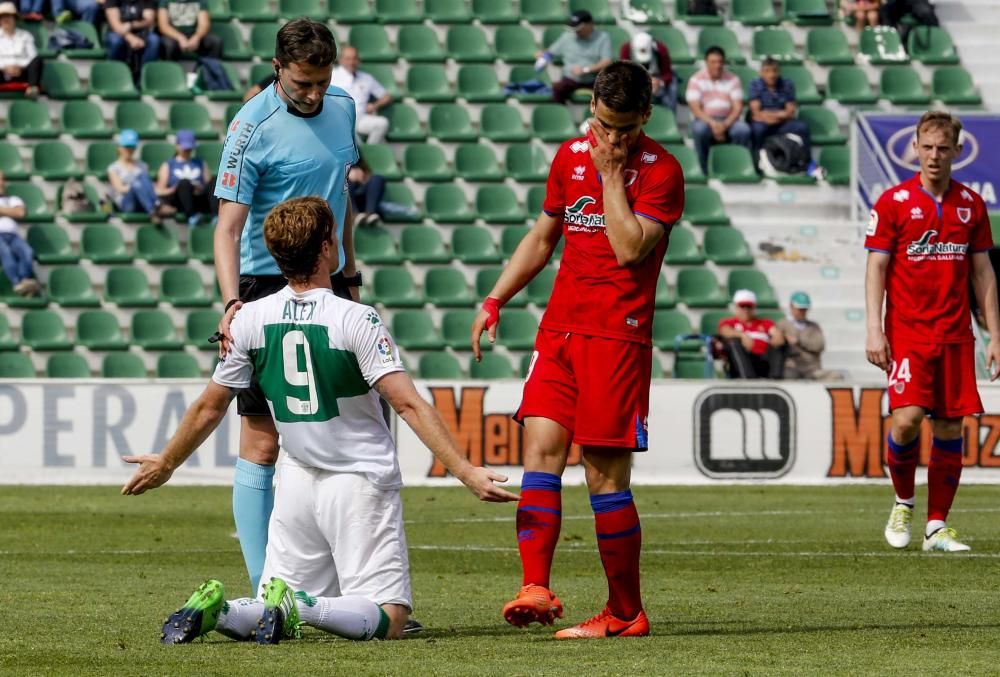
<point x="605" y="624"/>
<point x="534" y="603"/>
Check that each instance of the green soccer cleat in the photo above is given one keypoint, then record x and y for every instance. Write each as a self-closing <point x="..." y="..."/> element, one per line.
<point x="197" y="617"/>
<point x="281" y="614"/>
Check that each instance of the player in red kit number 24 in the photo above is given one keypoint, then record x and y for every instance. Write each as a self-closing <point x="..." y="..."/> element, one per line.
<point x="925" y="237"/>
<point x="614" y="195"/>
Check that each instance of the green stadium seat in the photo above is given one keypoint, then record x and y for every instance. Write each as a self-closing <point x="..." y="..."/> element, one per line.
<point x="425" y="162"/>
<point x="54" y="161"/>
<point x="44" y="330"/>
<point x="128" y="288"/>
<point x="501" y="122"/>
<point x="141" y="117"/>
<point x="776" y="43"/>
<point x="154" y="330"/>
<point x="754" y="12"/>
<point x="164" y="80"/>
<point x="703" y="207"/>
<point x="456" y="330"/>
<point x="474" y="245"/>
<point x="515" y="44"/>
<point x="112" y="80"/>
<point x="656" y="369"/>
<point x="693" y="367"/>
<point x="552" y="123"/>
<point x="665" y="297"/>
<point x="901" y="86"/>
<point x="352" y="11"/>
<point x="994" y="217"/>
<point x="952" y="85"/>
<point x="523" y="73"/>
<point x="469" y="44"/>
<point x="418" y="43"/>
<point x="193" y="116"/>
<point x="495" y="11"/>
<point x="836" y="160"/>
<point x="446" y="203"/>
<point x="11" y="164"/>
<point x="7" y="340"/>
<point x="314" y="9"/>
<point x="676" y="43"/>
<point x="720" y="36"/>
<point x="808" y="12"/>
<point x="41" y="35"/>
<point x="99" y="330"/>
<point x="177" y="365"/>
<point x="252" y="11"/>
<point x="498" y="204"/>
<point x="414" y="330"/>
<point x="477" y="83"/>
<point x="681" y="12"/>
<point x="404" y="125"/>
<point x="30" y="119"/>
<point x="441" y="366"/>
<point x="445" y="287"/>
<point x="123" y="365"/>
<point x="70" y="287"/>
<point x="655" y="11"/>
<point x="599" y="9"/>
<point x="50" y="244"/>
<point x="823" y="126"/>
<point x="662" y="126"/>
<point x="827" y="46"/>
<point x="34" y="202"/>
<point x="428" y="83"/>
<point x="233" y="46"/>
<point x="450" y="122"/>
<point x="755" y="281"/>
<point x="380" y="160"/>
<point x="689" y="163"/>
<point x="373" y="43"/>
<point x="517" y="329"/>
<point x="671" y="325"/>
<point x="698" y="288"/>
<point x="100" y="243"/>
<point x="155" y="153"/>
<point x="60" y="81"/>
<point x="543" y="12"/>
<point x="491" y="367"/>
<point x="806" y="92"/>
<point x="13" y="300"/>
<point x="199" y="325"/>
<point x="539" y="289"/>
<point x="534" y="201"/>
<point x="881" y="45"/>
<point x="218" y="10"/>
<point x="477" y="162"/>
<point x="683" y="249"/>
<point x="725" y="246"/>
<point x="394" y="288"/>
<point x="94" y="215"/>
<point x="84" y="120"/>
<point x="510" y="237"/>
<point x="486" y="278"/>
<point x="423" y="244"/>
<point x="526" y="162"/>
<point x="211" y="153"/>
<point x="67" y="365"/>
<point x="375" y="244"/>
<point x="16" y="365"/>
<point x="731" y="163"/>
<point x="849" y="85"/>
<point x="201" y="244"/>
<point x="399" y="11"/>
<point x="447" y="11"/>
<point x="263" y="37"/>
<point x="931" y="46"/>
<point x="232" y="111"/>
<point x="399" y="194"/>
<point x="87" y="30"/>
<point x="182" y="287"/>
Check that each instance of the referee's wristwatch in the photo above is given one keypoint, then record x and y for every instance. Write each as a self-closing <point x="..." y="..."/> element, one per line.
<point x="353" y="280"/>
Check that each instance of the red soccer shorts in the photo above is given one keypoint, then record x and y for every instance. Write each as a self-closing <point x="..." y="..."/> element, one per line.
<point x="940" y="377"/>
<point x="597" y="388"/>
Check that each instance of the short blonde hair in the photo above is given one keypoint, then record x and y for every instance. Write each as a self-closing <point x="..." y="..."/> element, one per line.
<point x="294" y="232"/>
<point x="937" y="119"/>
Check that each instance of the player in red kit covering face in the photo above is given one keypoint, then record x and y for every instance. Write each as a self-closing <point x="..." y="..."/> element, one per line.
<point x="614" y="196"/>
<point x="926" y="237"/>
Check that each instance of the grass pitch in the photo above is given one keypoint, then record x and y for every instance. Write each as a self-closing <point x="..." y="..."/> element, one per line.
<point x="737" y="580"/>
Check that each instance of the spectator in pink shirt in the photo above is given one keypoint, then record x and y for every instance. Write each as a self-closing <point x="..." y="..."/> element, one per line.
<point x="715" y="98"/>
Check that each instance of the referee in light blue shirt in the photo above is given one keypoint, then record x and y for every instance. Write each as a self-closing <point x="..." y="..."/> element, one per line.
<point x="294" y="139"/>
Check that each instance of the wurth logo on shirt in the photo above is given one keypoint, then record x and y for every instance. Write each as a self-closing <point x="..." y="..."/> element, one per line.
<point x="576" y="220"/>
<point x="935" y="251"/>
<point x="239" y="145"/>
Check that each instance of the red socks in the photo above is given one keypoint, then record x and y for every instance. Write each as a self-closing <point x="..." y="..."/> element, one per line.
<point x="539" y="518"/>
<point x="903" y="466"/>
<point x="943" y="475"/>
<point x="619" y="539"/>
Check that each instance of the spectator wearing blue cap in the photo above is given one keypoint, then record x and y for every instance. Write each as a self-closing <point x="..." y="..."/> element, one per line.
<point x="805" y="342"/>
<point x="185" y="183"/>
<point x="132" y="188"/>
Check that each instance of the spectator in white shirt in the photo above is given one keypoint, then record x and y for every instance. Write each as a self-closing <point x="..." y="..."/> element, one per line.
<point x="19" y="60"/>
<point x="715" y="98"/>
<point x="15" y="254"/>
<point x="368" y="93"/>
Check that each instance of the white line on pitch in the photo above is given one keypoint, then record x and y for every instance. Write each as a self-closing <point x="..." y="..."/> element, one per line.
<point x="709" y="553"/>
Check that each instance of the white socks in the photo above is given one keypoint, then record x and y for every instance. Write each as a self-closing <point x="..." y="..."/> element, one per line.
<point x="239" y="617"/>
<point x="351" y="617"/>
<point x="934" y="525"/>
<point x="911" y="501"/>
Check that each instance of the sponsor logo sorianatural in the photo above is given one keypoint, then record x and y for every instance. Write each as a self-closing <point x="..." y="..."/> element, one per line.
<point x="579" y="146"/>
<point x="925" y="247"/>
<point x="573" y="214"/>
<point x="233" y="159"/>
<point x="744" y="433"/>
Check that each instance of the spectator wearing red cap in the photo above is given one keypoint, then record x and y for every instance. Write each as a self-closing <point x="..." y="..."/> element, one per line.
<point x="185" y="182"/>
<point x="754" y="345"/>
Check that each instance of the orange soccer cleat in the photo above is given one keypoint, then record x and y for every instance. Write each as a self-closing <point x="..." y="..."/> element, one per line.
<point x="606" y="624"/>
<point x="534" y="603"/>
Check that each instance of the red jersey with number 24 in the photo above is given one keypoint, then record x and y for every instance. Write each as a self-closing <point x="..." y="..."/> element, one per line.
<point x="593" y="295"/>
<point x="930" y="244"/>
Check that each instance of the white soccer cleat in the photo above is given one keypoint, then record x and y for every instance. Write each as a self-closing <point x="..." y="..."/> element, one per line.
<point x="897" y="529"/>
<point x="944" y="540"/>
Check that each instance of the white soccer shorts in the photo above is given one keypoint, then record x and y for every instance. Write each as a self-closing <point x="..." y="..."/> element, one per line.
<point x="334" y="534"/>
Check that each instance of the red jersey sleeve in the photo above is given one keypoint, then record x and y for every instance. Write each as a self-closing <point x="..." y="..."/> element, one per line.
<point x="555" y="199"/>
<point x="661" y="193"/>
<point x="882" y="227"/>
<point x="725" y="322"/>
<point x="982" y="235"/>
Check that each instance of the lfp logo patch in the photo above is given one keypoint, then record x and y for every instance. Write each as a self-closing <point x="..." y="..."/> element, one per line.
<point x="384" y="348"/>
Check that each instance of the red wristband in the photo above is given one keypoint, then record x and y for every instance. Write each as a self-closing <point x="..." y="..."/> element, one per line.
<point x="492" y="307"/>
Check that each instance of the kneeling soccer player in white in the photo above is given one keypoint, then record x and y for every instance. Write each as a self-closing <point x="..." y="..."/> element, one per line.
<point x="336" y="533"/>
